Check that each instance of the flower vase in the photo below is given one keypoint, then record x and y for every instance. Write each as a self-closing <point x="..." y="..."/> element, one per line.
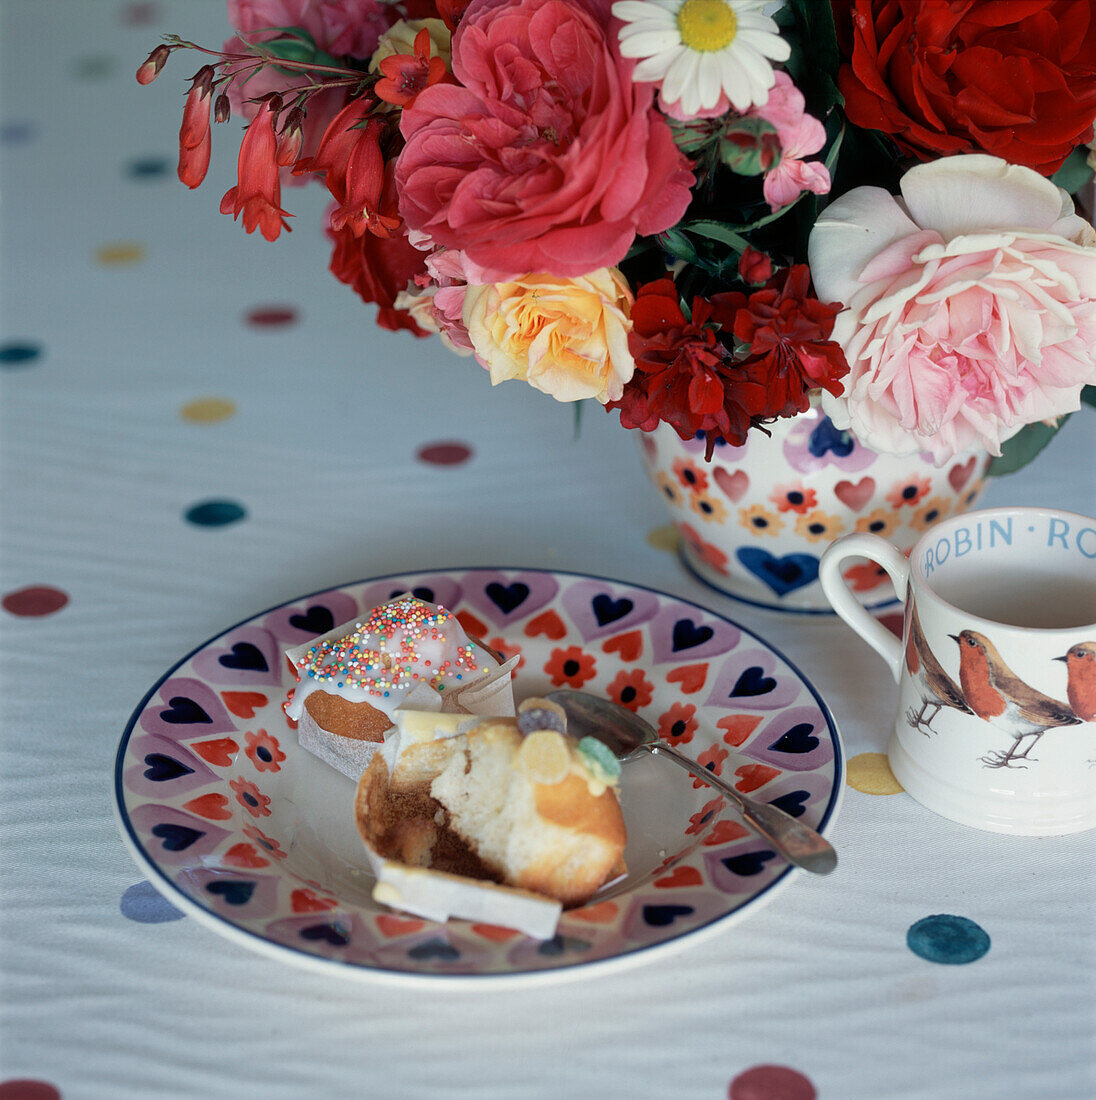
<point x="755" y="520"/>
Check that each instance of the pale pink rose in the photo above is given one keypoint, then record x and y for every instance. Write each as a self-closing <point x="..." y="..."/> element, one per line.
<point x="800" y="135"/>
<point x="565" y="337"/>
<point x="971" y="305"/>
<point x="548" y="157"/>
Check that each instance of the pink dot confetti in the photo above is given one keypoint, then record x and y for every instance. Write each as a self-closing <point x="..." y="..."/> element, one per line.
<point x="771" y="1083"/>
<point x="444" y="452"/>
<point x="32" y="602"/>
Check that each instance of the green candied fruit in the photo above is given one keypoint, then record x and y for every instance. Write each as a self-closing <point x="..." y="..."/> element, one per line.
<point x="599" y="760"/>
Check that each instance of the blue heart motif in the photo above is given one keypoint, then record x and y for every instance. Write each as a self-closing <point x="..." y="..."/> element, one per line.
<point x="607" y="610"/>
<point x="687" y="635"/>
<point x="507" y="597"/>
<point x="782" y="575"/>
<point x="659" y="916"/>
<point x="793" y="803"/>
<point x="435" y="949"/>
<point x="826" y="437"/>
<point x="245" y="656"/>
<point x="162" y="768"/>
<point x="176" y="838"/>
<point x="560" y="945"/>
<point x="182" y="711"/>
<point x="421" y="593"/>
<point x="753" y="682"/>
<point x="750" y="863"/>
<point x="799" y="739"/>
<point x="316" y="620"/>
<point x="329" y="933"/>
<point x="233" y="891"/>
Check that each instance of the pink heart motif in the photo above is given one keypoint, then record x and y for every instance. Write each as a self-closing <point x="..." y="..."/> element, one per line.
<point x="734" y="484"/>
<point x="959" y="475"/>
<point x="855" y="496"/>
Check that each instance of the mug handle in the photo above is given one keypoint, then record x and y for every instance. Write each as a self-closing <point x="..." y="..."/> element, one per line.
<point x="849" y="607"/>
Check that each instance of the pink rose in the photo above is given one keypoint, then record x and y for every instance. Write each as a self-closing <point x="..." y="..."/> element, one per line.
<point x="971" y="305"/>
<point x="548" y="157"/>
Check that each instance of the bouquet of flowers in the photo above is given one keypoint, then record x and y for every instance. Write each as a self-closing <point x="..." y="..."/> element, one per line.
<point x="697" y="212"/>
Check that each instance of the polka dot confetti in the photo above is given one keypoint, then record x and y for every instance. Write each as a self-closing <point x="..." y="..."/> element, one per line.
<point x="19" y="353"/>
<point x="664" y="538"/>
<point x="148" y="168"/>
<point x="215" y="513"/>
<point x="120" y="254"/>
<point x="17" y="132"/>
<point x="948" y="939"/>
<point x="870" y="773"/>
<point x="445" y="452"/>
<point x="143" y="903"/>
<point x="208" y="410"/>
<point x="24" y="1088"/>
<point x="271" y="316"/>
<point x="94" y="66"/>
<point x="34" y="601"/>
<point x="771" y="1083"/>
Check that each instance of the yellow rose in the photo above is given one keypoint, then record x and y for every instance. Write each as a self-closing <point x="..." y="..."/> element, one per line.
<point x="400" y="38"/>
<point x="566" y="337"/>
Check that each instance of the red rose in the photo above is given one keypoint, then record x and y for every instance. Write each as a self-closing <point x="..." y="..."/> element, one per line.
<point x="1017" y="80"/>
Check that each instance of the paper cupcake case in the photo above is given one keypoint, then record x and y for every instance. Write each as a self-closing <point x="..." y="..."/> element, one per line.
<point x="242" y="828"/>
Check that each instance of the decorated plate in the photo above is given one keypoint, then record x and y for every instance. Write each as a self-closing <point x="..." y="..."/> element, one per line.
<point x="244" y="830"/>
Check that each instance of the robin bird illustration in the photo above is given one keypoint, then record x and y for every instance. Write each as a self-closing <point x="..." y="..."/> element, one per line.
<point x="1080" y="663"/>
<point x="998" y="696"/>
<point x="937" y="688"/>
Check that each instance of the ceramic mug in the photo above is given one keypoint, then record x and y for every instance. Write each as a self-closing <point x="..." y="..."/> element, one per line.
<point x="996" y="722"/>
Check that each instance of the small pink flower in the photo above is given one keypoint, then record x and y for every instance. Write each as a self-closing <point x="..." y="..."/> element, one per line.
<point x="263" y="751"/>
<point x="250" y="797"/>
<point x="268" y="844"/>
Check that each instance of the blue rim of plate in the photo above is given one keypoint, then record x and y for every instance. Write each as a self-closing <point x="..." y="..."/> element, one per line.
<point x="494" y="979"/>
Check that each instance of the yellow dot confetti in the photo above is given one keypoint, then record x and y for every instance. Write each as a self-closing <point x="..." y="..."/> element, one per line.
<point x="208" y="410"/>
<point x="120" y="253"/>
<point x="664" y="538"/>
<point x="870" y="773"/>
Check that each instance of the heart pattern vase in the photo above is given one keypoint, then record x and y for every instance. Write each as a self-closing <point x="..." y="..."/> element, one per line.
<point x="755" y="520"/>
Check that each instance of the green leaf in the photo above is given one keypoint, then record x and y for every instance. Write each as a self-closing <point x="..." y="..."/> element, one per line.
<point x="1074" y="173"/>
<point x="678" y="245"/>
<point x="1018" y="451"/>
<point x="717" y="231"/>
<point x="1088" y="396"/>
<point x="808" y="28"/>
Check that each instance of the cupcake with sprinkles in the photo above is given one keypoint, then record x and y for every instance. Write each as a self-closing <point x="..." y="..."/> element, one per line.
<point x="405" y="653"/>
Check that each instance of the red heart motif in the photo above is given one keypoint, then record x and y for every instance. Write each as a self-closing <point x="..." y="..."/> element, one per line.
<point x="601" y="913"/>
<point x="244" y="855"/>
<point x="213" y="806"/>
<point x="547" y="622"/>
<point x="220" y="752"/>
<point x="308" y="901"/>
<point x="855" y="496"/>
<point x="390" y="925"/>
<point x="724" y="832"/>
<point x="629" y="645"/>
<point x="244" y="703"/>
<point x="752" y="776"/>
<point x="691" y="677"/>
<point x="737" y="727"/>
<point x="680" y="876"/>
<point x="494" y="932"/>
<point x="733" y="484"/>
<point x="959" y="474"/>
<point x="472" y="626"/>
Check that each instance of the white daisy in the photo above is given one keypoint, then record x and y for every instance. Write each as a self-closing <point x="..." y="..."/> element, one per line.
<point x="699" y="50"/>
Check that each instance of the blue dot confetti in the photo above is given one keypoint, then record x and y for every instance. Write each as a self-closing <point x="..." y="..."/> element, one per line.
<point x="148" y="168"/>
<point x="947" y="939"/>
<point x="16" y="131"/>
<point x="19" y="354"/>
<point x="144" y="904"/>
<point x="215" y="513"/>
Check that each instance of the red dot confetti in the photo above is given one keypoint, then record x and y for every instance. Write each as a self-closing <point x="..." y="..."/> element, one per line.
<point x="270" y="316"/>
<point x="33" y="602"/>
<point x="24" y="1088"/>
<point x="771" y="1083"/>
<point x="445" y="452"/>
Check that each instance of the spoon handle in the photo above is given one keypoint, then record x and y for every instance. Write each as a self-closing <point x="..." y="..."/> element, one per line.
<point x="796" y="842"/>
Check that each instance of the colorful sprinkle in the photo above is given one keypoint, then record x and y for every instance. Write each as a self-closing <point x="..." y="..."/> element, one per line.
<point x="215" y="513"/>
<point x="444" y="453"/>
<point x="120" y="254"/>
<point x="870" y="773"/>
<point x="24" y="1088"/>
<point x="270" y="316"/>
<point x="947" y="939"/>
<point x="208" y="410"/>
<point x="19" y="353"/>
<point x="34" y="601"/>
<point x="771" y="1083"/>
<point x="143" y="903"/>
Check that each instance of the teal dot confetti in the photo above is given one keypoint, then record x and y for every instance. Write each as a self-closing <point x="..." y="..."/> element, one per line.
<point x="947" y="939"/>
<point x="19" y="353"/>
<point x="148" y="168"/>
<point x="215" y="513"/>
<point x="95" y="66"/>
<point x="144" y="904"/>
<point x="17" y="131"/>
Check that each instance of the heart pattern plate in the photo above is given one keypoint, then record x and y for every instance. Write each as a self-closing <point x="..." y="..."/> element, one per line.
<point x="244" y="830"/>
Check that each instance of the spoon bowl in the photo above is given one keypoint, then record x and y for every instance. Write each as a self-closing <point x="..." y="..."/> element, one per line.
<point x="627" y="736"/>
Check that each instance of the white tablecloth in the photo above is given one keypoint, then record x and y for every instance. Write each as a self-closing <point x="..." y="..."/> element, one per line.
<point x="126" y="300"/>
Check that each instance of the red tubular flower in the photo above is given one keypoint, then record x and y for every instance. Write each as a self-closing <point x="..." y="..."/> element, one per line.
<point x="451" y="11"/>
<point x="195" y="140"/>
<point x="258" y="193"/>
<point x="788" y="333"/>
<point x="405" y="75"/>
<point x="152" y="65"/>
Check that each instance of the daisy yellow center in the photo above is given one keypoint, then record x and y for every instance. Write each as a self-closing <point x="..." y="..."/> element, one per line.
<point x="706" y="25"/>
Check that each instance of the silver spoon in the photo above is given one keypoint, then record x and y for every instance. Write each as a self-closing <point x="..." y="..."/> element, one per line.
<point x="627" y="735"/>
